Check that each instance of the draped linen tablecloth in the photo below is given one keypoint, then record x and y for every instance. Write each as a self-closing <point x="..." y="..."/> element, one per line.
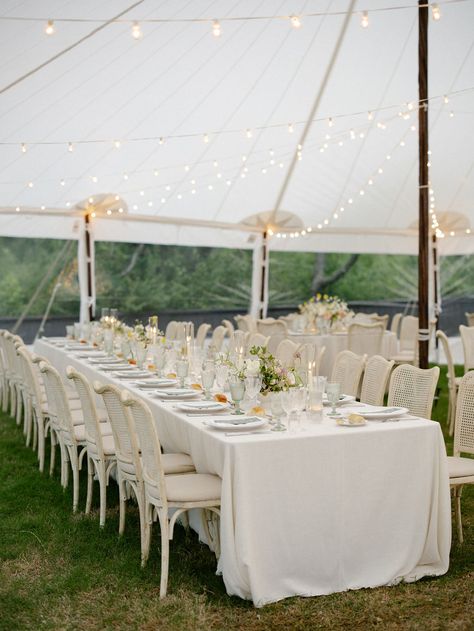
<point x="337" y="342"/>
<point x="321" y="511"/>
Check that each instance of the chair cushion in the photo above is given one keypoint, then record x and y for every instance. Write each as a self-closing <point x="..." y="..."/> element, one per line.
<point x="80" y="432"/>
<point x="193" y="487"/>
<point x="108" y="446"/>
<point x="460" y="467"/>
<point x="177" y="463"/>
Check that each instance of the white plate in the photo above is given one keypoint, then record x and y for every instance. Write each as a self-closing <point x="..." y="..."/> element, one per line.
<point x="79" y="347"/>
<point x="103" y="359"/>
<point x="343" y="399"/>
<point x="375" y="413"/>
<point x="115" y="367"/>
<point x="157" y="383"/>
<point x="240" y="423"/>
<point x="343" y="422"/>
<point x="176" y="393"/>
<point x="133" y="374"/>
<point x="202" y="406"/>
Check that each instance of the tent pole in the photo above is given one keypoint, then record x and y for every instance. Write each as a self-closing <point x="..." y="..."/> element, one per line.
<point x="264" y="281"/>
<point x="260" y="262"/>
<point x="423" y="182"/>
<point x="436" y="279"/>
<point x="86" y="266"/>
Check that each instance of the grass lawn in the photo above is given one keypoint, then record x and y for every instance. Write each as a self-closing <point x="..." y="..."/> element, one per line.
<point x="58" y="571"/>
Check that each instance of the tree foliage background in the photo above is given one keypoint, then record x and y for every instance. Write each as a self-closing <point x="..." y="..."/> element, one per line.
<point x="148" y="278"/>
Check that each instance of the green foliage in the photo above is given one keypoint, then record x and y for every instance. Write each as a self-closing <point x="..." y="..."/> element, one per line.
<point x="151" y="278"/>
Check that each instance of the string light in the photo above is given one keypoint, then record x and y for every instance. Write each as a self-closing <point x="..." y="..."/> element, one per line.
<point x="216" y="28"/>
<point x="248" y="133"/>
<point x="295" y="21"/>
<point x="290" y="128"/>
<point x="435" y="10"/>
<point x="23" y="148"/>
<point x="445" y="99"/>
<point x="70" y="147"/>
<point x="330" y="122"/>
<point x="370" y="116"/>
<point x="205" y="138"/>
<point x="49" y="29"/>
<point x="365" y="19"/>
<point x="117" y="144"/>
<point x="136" y="31"/>
<point x="161" y="141"/>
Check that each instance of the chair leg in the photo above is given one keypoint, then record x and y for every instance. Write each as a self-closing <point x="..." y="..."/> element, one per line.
<point x="34" y="424"/>
<point x="53" y="452"/>
<point x="165" y="552"/>
<point x="146" y="523"/>
<point x="41" y="444"/>
<point x="75" y="480"/>
<point x="90" y="483"/>
<point x="103" y="493"/>
<point x="19" y="409"/>
<point x="27" y="422"/>
<point x="122" y="504"/>
<point x="457" y="510"/>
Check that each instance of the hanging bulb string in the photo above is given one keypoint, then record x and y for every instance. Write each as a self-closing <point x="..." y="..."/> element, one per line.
<point x="75" y="44"/>
<point x="290" y="126"/>
<point x="295" y="21"/>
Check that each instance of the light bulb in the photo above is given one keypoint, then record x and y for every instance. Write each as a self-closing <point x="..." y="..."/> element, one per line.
<point x="365" y="19"/>
<point x="49" y="28"/>
<point x="330" y="122"/>
<point x="445" y="99"/>
<point x="290" y="128"/>
<point x="248" y="133"/>
<point x="70" y="147"/>
<point x="136" y="31"/>
<point x="23" y="147"/>
<point x="161" y="141"/>
<point x="117" y="144"/>
<point x="216" y="28"/>
<point x="370" y="116"/>
<point x="205" y="138"/>
<point x="63" y="183"/>
<point x="295" y="21"/>
<point x="125" y="176"/>
<point x="109" y="212"/>
<point x="435" y="10"/>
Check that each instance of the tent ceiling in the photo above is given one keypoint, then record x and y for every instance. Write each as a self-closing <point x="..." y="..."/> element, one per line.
<point x="182" y="84"/>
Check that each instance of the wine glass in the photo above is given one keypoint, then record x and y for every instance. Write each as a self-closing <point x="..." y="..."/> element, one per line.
<point x="182" y="368"/>
<point x="253" y="383"/>
<point x="237" y="391"/>
<point x="277" y="412"/>
<point x="208" y="375"/>
<point x="300" y="399"/>
<point x="333" y="391"/>
<point x="222" y="373"/>
<point x="287" y="403"/>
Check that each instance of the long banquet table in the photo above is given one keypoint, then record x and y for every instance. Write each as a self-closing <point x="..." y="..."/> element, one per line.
<point x="316" y="512"/>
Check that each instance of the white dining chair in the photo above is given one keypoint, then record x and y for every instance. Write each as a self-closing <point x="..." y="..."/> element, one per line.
<point x="201" y="334"/>
<point x="470" y="318"/>
<point x="365" y="338"/>
<point x="270" y="327"/>
<point x="408" y="342"/>
<point x="413" y="388"/>
<point x="101" y="458"/>
<point x="217" y="339"/>
<point x="286" y="353"/>
<point x="170" y="331"/>
<point x="380" y="319"/>
<point x="163" y="492"/>
<point x="128" y="452"/>
<point x="246" y="323"/>
<point x="461" y="469"/>
<point x="395" y="324"/>
<point x="467" y="338"/>
<point x="229" y="326"/>
<point x="4" y="373"/>
<point x="347" y="371"/>
<point x="374" y="382"/>
<point x="453" y="381"/>
<point x="257" y="339"/>
<point x="237" y="342"/>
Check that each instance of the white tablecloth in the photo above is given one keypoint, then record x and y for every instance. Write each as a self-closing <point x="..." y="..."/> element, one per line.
<point x="316" y="512"/>
<point x="337" y="342"/>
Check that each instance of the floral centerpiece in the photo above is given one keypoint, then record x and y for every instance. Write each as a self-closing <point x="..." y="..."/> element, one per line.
<point x="275" y="376"/>
<point x="330" y="309"/>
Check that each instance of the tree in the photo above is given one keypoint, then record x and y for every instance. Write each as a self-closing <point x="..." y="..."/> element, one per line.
<point x="322" y="279"/>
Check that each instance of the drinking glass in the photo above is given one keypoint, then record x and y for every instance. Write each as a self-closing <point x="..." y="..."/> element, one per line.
<point x="253" y="383"/>
<point x="208" y="375"/>
<point x="77" y="330"/>
<point x="182" y="368"/>
<point x="277" y="412"/>
<point x="300" y="399"/>
<point x="222" y="372"/>
<point x="109" y="342"/>
<point x="237" y="391"/>
<point x="105" y="312"/>
<point x="333" y="391"/>
<point x="159" y="358"/>
<point x="114" y="315"/>
<point x="140" y="353"/>
<point x="70" y="331"/>
<point x="287" y="403"/>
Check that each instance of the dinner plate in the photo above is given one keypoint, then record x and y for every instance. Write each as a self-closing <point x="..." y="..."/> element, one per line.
<point x="344" y="398"/>
<point x="105" y="360"/>
<point x="133" y="374"/>
<point x="157" y="383"/>
<point x="100" y="355"/>
<point x="116" y="367"/>
<point x="246" y="422"/>
<point x="375" y="413"/>
<point x="79" y="347"/>
<point x="176" y="393"/>
<point x="202" y="406"/>
<point x="343" y="422"/>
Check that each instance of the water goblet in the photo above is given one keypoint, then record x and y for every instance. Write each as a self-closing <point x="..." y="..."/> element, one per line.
<point x="277" y="412"/>
<point x="287" y="403"/>
<point x="253" y="383"/>
<point x="159" y="358"/>
<point x="182" y="368"/>
<point x="222" y="373"/>
<point x="333" y="391"/>
<point x="237" y="391"/>
<point x="208" y="375"/>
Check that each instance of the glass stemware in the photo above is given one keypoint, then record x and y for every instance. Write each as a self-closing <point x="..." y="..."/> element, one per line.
<point x="277" y="412"/>
<point x="208" y="375"/>
<point x="182" y="368"/>
<point x="333" y="391"/>
<point x="237" y="391"/>
<point x="253" y="383"/>
<point x="222" y="373"/>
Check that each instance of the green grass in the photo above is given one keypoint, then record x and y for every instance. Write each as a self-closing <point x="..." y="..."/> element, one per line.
<point x="58" y="571"/>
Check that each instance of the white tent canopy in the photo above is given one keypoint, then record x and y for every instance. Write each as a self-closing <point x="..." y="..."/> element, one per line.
<point x="199" y="131"/>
